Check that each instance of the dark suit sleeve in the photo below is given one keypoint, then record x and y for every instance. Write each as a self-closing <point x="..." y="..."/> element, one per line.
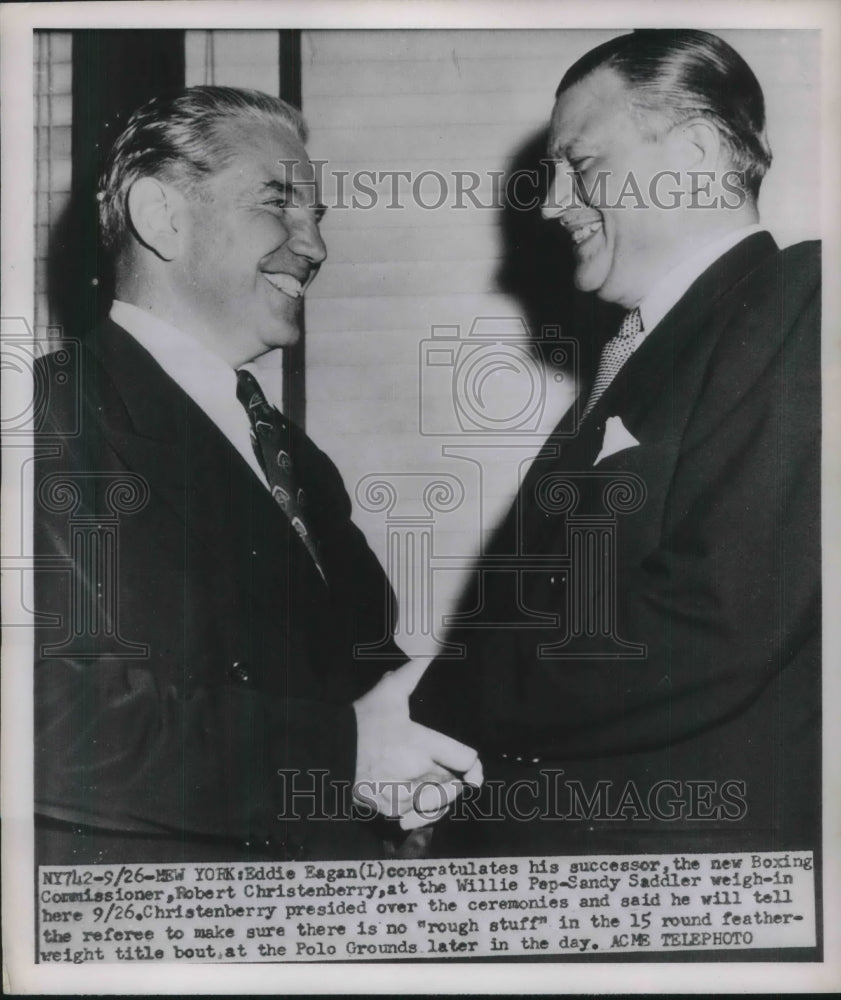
<point x="121" y="743"/>
<point x="115" y="750"/>
<point x="726" y="599"/>
<point x="363" y="604"/>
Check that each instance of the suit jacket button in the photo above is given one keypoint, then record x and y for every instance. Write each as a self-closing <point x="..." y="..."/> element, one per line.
<point x="519" y="759"/>
<point x="239" y="672"/>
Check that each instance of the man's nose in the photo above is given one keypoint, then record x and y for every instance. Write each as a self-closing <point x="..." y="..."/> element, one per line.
<point x="561" y="193"/>
<point x="305" y="239"/>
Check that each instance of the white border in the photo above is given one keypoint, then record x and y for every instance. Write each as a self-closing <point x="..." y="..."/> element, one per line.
<point x="16" y="254"/>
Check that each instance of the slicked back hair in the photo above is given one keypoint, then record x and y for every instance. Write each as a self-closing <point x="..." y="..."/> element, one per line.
<point x="678" y="74"/>
<point x="183" y="138"/>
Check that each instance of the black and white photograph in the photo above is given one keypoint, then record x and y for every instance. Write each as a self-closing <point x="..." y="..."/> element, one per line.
<point x="419" y="497"/>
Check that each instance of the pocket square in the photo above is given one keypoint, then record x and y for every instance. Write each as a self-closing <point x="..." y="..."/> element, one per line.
<point x="617" y="437"/>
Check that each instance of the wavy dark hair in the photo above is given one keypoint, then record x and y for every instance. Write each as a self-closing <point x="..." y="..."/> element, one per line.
<point x="184" y="138"/>
<point x="677" y="74"/>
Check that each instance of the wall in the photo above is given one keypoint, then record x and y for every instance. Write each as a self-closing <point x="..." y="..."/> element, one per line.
<point x="423" y="101"/>
<point x="53" y="72"/>
<point x="232" y="58"/>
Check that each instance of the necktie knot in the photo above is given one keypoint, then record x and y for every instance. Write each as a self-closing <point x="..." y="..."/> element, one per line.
<point x="631" y="324"/>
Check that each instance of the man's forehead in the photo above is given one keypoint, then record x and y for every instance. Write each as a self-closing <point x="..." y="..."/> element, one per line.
<point x="270" y="147"/>
<point x="268" y="160"/>
<point x="587" y="109"/>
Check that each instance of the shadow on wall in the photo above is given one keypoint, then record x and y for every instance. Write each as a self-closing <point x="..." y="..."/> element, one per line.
<point x="114" y="72"/>
<point x="537" y="264"/>
<point x="80" y="279"/>
<point x="537" y="270"/>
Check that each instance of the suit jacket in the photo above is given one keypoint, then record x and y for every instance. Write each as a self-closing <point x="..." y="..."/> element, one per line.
<point x="670" y="696"/>
<point x="190" y="651"/>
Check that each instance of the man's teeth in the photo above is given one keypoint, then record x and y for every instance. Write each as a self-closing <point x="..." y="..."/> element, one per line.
<point x="286" y="284"/>
<point x="579" y="235"/>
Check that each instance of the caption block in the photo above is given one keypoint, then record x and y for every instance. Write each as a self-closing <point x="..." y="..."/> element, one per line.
<point x="340" y="911"/>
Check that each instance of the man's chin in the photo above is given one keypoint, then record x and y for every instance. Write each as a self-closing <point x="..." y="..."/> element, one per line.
<point x="283" y="329"/>
<point x="592" y="263"/>
<point x="278" y="335"/>
<point x="286" y="338"/>
<point x="589" y="277"/>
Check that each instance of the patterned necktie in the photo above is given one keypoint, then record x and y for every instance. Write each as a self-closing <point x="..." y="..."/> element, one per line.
<point x="270" y="439"/>
<point x="615" y="353"/>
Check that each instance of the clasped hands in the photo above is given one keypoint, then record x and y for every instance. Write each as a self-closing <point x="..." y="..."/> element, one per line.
<point x="403" y="769"/>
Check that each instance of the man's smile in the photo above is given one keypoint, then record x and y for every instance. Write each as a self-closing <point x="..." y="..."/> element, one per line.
<point x="580" y="233"/>
<point x="286" y="283"/>
<point x="580" y="225"/>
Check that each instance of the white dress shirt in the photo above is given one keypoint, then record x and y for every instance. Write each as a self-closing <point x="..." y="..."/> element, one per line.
<point x="672" y="286"/>
<point x="203" y="375"/>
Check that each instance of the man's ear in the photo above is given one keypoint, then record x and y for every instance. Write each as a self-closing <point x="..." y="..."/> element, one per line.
<point x="154" y="211"/>
<point x="700" y="144"/>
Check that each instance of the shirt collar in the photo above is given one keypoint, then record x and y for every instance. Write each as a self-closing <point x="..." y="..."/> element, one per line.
<point x="208" y="380"/>
<point x="671" y="288"/>
<point x="179" y="354"/>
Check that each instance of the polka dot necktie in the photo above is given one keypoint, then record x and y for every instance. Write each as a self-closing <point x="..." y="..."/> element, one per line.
<point x="615" y="353"/>
<point x="270" y="438"/>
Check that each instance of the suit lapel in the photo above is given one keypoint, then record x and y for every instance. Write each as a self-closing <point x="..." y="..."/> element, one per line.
<point x="193" y="468"/>
<point x="652" y="393"/>
<point x="683" y="340"/>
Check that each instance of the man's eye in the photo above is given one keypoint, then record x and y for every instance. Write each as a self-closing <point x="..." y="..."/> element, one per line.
<point x="284" y="203"/>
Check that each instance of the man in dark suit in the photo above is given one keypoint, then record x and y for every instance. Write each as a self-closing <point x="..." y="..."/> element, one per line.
<point x="641" y="667"/>
<point x="201" y="585"/>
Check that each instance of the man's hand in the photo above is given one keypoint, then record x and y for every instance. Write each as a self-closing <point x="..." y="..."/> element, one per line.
<point x="404" y="769"/>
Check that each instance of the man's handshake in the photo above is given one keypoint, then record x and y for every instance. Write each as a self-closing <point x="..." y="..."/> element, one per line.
<point x="403" y="769"/>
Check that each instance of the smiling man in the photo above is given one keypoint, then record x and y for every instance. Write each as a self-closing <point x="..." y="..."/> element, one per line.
<point x="197" y="694"/>
<point x="651" y="165"/>
<point x="641" y="666"/>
